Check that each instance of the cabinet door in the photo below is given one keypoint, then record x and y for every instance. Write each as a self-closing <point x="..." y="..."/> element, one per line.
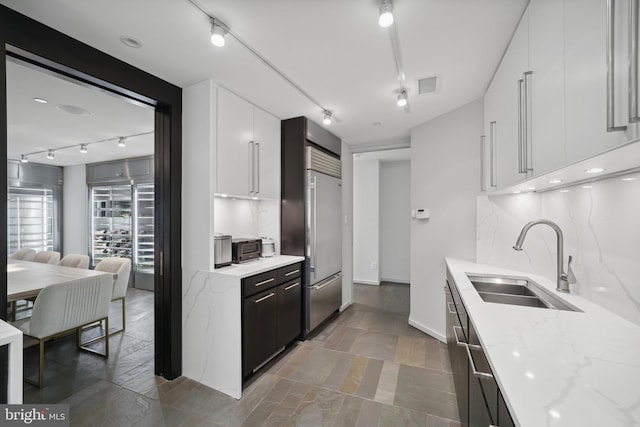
<point x="266" y="133"/>
<point x="514" y="64"/>
<point x="259" y="329"/>
<point x="289" y="311"/>
<point x="586" y="78"/>
<point x="546" y="85"/>
<point x="504" y="417"/>
<point x="234" y="145"/>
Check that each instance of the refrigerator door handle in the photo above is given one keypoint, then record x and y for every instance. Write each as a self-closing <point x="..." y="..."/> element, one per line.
<point x="314" y="240"/>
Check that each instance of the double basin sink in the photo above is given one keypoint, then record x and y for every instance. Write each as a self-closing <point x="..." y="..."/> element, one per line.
<point x="513" y="291"/>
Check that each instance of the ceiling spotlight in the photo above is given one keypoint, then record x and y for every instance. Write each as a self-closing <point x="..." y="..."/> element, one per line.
<point x="122" y="142"/>
<point x="385" y="18"/>
<point x="40" y="100"/>
<point x="218" y="31"/>
<point x="83" y="148"/>
<point x="24" y="158"/>
<point x="402" y="98"/>
<point x="50" y="155"/>
<point x="594" y="170"/>
<point x="327" y="117"/>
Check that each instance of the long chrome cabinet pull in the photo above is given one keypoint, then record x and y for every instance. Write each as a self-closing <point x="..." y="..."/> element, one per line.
<point x="526" y="141"/>
<point x="483" y="184"/>
<point x="256" y="163"/>
<point x="492" y="154"/>
<point x="450" y="310"/>
<point x="264" y="298"/>
<point x="521" y="168"/>
<point x="264" y="282"/>
<point x="455" y="333"/>
<point x="292" y="272"/>
<point x="633" y="61"/>
<point x="611" y="127"/>
<point x="251" y="154"/>
<point x="476" y="373"/>
<point x="292" y="286"/>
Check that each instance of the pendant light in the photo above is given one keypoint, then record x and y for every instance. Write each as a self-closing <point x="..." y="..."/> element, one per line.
<point x="385" y="19"/>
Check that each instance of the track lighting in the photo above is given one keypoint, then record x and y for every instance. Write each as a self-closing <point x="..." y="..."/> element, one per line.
<point x="24" y="158"/>
<point x="83" y="148"/>
<point x="50" y="155"/>
<point x="402" y="98"/>
<point x="122" y="142"/>
<point x="327" y="117"/>
<point x="218" y="31"/>
<point x="385" y="19"/>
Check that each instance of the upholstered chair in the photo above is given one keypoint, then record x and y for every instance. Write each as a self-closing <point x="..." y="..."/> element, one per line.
<point x="47" y="257"/>
<point x="121" y="267"/>
<point x="75" y="260"/>
<point x="25" y="254"/>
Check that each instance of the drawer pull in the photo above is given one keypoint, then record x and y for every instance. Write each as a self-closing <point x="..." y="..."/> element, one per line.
<point x="455" y="334"/>
<point x="292" y="272"/>
<point x="449" y="307"/>
<point x="264" y="298"/>
<point x="264" y="282"/>
<point x="292" y="286"/>
<point x="476" y="373"/>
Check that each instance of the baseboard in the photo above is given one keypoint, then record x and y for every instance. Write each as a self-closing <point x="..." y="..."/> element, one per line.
<point x="366" y="282"/>
<point x="428" y="331"/>
<point x="345" y="306"/>
<point x="398" y="281"/>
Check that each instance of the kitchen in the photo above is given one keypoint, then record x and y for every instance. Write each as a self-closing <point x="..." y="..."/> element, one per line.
<point x="444" y="175"/>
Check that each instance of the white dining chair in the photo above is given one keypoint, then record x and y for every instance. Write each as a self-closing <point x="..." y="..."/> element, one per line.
<point x="47" y="257"/>
<point x="75" y="260"/>
<point x="122" y="268"/>
<point x="25" y="254"/>
<point x="67" y="307"/>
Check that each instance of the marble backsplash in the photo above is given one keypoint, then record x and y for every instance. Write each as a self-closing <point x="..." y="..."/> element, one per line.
<point x="248" y="218"/>
<point x="601" y="227"/>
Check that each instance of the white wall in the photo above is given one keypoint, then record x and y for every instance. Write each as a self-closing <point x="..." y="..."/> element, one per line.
<point x="75" y="201"/>
<point x="248" y="218"/>
<point x="445" y="171"/>
<point x="198" y="174"/>
<point x="600" y="228"/>
<point x="366" y="227"/>
<point x="395" y="221"/>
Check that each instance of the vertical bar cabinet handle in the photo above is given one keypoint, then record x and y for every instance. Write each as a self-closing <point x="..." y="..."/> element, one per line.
<point x="611" y="127"/>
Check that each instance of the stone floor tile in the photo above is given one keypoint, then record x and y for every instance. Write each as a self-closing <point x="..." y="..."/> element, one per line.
<point x="386" y="390"/>
<point x="369" y="414"/>
<point x="354" y="376"/>
<point x="370" y="379"/>
<point x="394" y="416"/>
<point x="375" y="345"/>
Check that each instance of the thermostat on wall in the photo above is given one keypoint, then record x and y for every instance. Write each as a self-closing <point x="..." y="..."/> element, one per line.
<point x="420" y="214"/>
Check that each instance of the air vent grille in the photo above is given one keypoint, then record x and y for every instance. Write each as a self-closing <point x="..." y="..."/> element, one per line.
<point x="428" y="85"/>
<point x="320" y="161"/>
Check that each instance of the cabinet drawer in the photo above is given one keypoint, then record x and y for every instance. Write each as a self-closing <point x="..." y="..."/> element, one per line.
<point x="289" y="272"/>
<point x="260" y="282"/>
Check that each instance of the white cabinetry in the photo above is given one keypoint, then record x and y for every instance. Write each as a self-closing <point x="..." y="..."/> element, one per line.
<point x="248" y="149"/>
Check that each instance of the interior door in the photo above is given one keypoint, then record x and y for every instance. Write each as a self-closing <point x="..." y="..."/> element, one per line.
<point x="325" y="225"/>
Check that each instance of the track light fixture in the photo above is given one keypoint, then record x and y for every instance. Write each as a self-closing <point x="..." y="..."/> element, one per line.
<point x="24" y="158"/>
<point x="402" y="98"/>
<point x="385" y="19"/>
<point x="122" y="142"/>
<point x="327" y="117"/>
<point x="218" y="31"/>
<point x="83" y="148"/>
<point x="51" y="155"/>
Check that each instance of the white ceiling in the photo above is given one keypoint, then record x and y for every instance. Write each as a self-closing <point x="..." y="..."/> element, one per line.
<point x="34" y="127"/>
<point x="333" y="49"/>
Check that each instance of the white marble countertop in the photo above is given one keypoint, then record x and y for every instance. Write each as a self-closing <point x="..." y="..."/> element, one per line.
<point x="554" y="367"/>
<point x="258" y="266"/>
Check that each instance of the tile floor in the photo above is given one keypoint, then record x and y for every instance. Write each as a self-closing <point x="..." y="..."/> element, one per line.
<point x="367" y="367"/>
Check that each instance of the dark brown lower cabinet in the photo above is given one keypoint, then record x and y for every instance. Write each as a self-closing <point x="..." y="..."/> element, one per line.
<point x="259" y="329"/>
<point x="289" y="311"/>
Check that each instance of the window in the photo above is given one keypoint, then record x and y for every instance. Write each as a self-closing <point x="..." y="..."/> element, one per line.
<point x="30" y="219"/>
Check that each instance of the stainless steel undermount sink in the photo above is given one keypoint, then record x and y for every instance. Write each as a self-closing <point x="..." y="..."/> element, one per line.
<point x="506" y="290"/>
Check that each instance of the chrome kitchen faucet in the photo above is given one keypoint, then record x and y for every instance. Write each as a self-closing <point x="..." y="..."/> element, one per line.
<point x="563" y="279"/>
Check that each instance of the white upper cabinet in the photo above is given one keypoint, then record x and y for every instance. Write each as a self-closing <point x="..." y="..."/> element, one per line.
<point x="586" y="78"/>
<point x="545" y="87"/>
<point x="248" y="149"/>
<point x="266" y="135"/>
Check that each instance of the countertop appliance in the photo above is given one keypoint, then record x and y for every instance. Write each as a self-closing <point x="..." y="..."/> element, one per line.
<point x="221" y="250"/>
<point x="311" y="214"/>
<point x="268" y="247"/>
<point x="245" y="249"/>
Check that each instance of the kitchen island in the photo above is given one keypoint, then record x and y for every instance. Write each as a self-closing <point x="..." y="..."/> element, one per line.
<point x="555" y="367"/>
<point x="212" y="322"/>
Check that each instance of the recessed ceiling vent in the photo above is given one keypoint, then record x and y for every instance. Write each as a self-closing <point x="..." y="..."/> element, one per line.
<point x="428" y="85"/>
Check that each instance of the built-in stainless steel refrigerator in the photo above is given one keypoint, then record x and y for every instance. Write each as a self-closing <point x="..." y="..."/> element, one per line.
<point x="323" y="236"/>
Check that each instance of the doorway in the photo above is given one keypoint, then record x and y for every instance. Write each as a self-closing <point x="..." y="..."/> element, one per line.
<point x="36" y="43"/>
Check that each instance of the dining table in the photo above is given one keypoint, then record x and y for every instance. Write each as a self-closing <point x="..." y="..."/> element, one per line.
<point x="25" y="279"/>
